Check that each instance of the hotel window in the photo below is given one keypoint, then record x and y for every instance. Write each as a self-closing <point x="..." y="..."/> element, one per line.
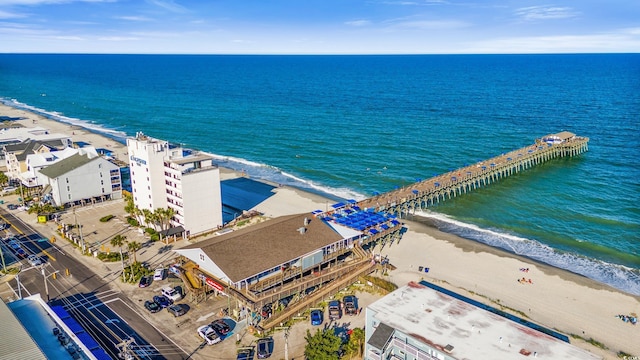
<point x="100" y="174"/>
<point x="67" y="180"/>
<point x="101" y="181"/>
<point x="201" y="257"/>
<point x="103" y="190"/>
<point x="100" y="166"/>
<point x="68" y="189"/>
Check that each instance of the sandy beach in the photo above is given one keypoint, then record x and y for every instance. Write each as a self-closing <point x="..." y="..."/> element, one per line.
<point x="554" y="298"/>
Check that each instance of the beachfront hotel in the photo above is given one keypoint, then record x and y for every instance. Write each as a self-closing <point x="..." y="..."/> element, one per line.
<point x="425" y="321"/>
<point x="164" y="175"/>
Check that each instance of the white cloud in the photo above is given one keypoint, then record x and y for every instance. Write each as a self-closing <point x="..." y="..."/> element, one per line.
<point x="358" y="23"/>
<point x="118" y="38"/>
<point x="45" y="2"/>
<point x="67" y="38"/>
<point x="10" y="15"/>
<point x="168" y="5"/>
<point x="431" y="24"/>
<point x="622" y="41"/>
<point x="134" y="18"/>
<point x="534" y="13"/>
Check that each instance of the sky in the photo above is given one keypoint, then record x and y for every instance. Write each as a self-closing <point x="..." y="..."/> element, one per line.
<point x="319" y="26"/>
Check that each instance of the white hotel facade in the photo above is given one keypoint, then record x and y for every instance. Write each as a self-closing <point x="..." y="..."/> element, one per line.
<point x="167" y="176"/>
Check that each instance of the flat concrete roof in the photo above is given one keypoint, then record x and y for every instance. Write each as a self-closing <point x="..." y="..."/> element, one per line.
<point x="438" y="319"/>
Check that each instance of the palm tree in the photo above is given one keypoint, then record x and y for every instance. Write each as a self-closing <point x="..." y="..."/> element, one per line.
<point x="119" y="240"/>
<point x="163" y="217"/>
<point x="133" y="247"/>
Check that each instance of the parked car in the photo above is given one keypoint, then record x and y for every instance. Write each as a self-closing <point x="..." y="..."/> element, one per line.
<point x="221" y="327"/>
<point x="152" y="306"/>
<point x="209" y="335"/>
<point x="20" y="251"/>
<point x="9" y="189"/>
<point x="158" y="274"/>
<point x="350" y="305"/>
<point x="15" y="244"/>
<point x="145" y="281"/>
<point x="245" y="354"/>
<point x="171" y="293"/>
<point x="162" y="301"/>
<point x="265" y="347"/>
<point x="3" y="225"/>
<point x="12" y="207"/>
<point x="34" y="260"/>
<point x="317" y="317"/>
<point x="335" y="310"/>
<point x="176" y="310"/>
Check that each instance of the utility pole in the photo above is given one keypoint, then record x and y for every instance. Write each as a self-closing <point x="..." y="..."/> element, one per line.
<point x="125" y="349"/>
<point x="4" y="266"/>
<point x="286" y="340"/>
<point x="75" y="217"/>
<point x="21" y="193"/>
<point x="19" y="289"/>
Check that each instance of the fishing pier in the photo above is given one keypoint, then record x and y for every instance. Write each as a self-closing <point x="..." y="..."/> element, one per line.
<point x="431" y="192"/>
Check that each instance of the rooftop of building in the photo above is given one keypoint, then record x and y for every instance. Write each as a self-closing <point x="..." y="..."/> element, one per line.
<point x="464" y="329"/>
<point x="28" y="147"/>
<point x="65" y="165"/>
<point x="32" y="321"/>
<point x="191" y="158"/>
<point x="257" y="248"/>
<point x="17" y="343"/>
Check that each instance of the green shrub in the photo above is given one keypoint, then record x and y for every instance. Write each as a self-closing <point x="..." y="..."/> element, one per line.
<point x="110" y="257"/>
<point x="150" y="231"/>
<point x="131" y="221"/>
<point x="155" y="237"/>
<point x="106" y="218"/>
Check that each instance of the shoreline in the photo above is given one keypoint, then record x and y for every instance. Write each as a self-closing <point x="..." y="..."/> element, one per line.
<point x="557" y="298"/>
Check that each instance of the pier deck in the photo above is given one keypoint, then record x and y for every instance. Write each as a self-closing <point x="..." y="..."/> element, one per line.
<point x="430" y="192"/>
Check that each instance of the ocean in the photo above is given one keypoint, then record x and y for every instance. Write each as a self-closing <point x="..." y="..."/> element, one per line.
<point x="350" y="126"/>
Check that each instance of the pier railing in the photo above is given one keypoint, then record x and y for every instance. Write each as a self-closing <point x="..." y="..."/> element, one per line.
<point x="430" y="192"/>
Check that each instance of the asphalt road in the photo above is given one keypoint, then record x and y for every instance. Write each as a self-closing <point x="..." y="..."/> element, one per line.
<point x="104" y="312"/>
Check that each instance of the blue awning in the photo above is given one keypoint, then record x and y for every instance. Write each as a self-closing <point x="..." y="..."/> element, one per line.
<point x="316" y="212"/>
<point x="88" y="341"/>
<point x="351" y="201"/>
<point x="415" y="191"/>
<point x="61" y="312"/>
<point x="338" y="205"/>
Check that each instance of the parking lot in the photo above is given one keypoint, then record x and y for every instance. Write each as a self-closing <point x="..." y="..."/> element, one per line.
<point x="181" y="330"/>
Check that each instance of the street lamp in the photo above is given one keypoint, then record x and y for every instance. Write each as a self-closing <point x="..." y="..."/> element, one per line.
<point x="45" y="276"/>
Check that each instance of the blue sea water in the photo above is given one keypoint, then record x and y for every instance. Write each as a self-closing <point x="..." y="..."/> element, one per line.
<point x="349" y="126"/>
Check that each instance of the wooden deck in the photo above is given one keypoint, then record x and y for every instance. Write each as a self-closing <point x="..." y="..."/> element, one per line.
<point x="432" y="191"/>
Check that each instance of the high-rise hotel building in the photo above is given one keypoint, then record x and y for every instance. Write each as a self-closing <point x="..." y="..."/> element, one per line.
<point x="164" y="175"/>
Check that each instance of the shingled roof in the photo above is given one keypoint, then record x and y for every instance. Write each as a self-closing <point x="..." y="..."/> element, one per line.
<point x="257" y="248"/>
<point x="64" y="166"/>
<point x="30" y="146"/>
